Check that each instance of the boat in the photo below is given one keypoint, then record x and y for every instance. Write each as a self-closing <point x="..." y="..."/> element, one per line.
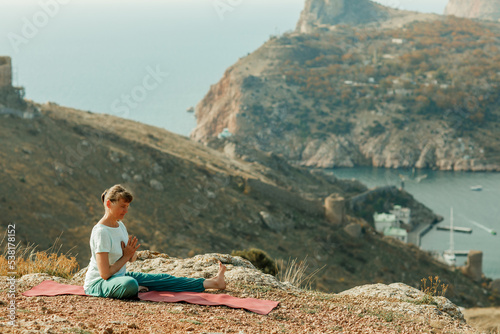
<point x="476" y="188"/>
<point x="487" y="229"/>
<point x="420" y="178"/>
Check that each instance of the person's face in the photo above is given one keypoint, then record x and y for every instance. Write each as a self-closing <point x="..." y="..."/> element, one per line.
<point x="119" y="209"/>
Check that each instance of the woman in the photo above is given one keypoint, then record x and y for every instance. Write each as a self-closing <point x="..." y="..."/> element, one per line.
<point x="111" y="248"/>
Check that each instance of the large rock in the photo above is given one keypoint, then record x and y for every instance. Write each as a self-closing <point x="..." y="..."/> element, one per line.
<point x="206" y="266"/>
<point x="319" y="13"/>
<point x="354" y="230"/>
<point x="474" y="9"/>
<point x="271" y="222"/>
<point x="412" y="301"/>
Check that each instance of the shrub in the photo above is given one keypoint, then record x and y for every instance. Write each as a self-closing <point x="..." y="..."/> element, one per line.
<point x="339" y="127"/>
<point x="251" y="82"/>
<point x="434" y="287"/>
<point x="259" y="259"/>
<point x="431" y="289"/>
<point x="376" y="129"/>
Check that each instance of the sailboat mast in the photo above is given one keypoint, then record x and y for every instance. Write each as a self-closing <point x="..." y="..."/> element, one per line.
<point x="452" y="239"/>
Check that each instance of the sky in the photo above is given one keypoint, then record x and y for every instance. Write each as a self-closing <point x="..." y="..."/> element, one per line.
<point x="436" y="6"/>
<point x="90" y="52"/>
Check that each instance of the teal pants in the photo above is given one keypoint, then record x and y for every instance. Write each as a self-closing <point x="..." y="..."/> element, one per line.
<point x="124" y="287"/>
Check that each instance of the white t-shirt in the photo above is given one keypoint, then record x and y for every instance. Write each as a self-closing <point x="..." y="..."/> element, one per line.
<point x="105" y="239"/>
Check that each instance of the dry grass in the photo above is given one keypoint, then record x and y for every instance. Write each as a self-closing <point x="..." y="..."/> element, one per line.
<point x="294" y="272"/>
<point x="434" y="287"/>
<point x="29" y="261"/>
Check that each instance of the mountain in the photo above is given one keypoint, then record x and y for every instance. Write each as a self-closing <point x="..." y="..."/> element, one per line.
<point x="412" y="91"/>
<point x="192" y="199"/>
<point x="325" y="13"/>
<point x="474" y="9"/>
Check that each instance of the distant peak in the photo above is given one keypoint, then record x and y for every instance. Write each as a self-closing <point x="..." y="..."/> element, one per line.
<point x="318" y="13"/>
<point x="474" y="9"/>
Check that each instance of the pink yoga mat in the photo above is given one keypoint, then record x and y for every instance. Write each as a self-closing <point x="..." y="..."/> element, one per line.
<point x="250" y="304"/>
<point x="51" y="288"/>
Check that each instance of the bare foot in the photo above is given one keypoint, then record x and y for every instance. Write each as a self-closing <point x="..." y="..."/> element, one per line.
<point x="143" y="289"/>
<point x="221" y="280"/>
<point x="217" y="282"/>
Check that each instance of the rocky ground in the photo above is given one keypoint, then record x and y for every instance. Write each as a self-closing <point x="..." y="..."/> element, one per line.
<point x="484" y="319"/>
<point x="379" y="308"/>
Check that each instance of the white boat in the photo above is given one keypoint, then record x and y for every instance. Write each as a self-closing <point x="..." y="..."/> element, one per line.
<point x="450" y="258"/>
<point x="476" y="188"/>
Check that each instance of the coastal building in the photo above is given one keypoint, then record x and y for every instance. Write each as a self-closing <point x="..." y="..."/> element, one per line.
<point x="395" y="224"/>
<point x="397" y="233"/>
<point x="402" y="214"/>
<point x="383" y="221"/>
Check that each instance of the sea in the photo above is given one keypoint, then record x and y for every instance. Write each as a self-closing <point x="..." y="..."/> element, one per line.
<point x="151" y="60"/>
<point x="440" y="191"/>
<point x="99" y="55"/>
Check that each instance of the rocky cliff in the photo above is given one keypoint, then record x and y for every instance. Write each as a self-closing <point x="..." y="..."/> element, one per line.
<point x="326" y="13"/>
<point x="474" y="9"/>
<point x="360" y="96"/>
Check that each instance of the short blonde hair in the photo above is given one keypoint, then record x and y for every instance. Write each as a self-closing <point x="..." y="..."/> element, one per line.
<point x="115" y="193"/>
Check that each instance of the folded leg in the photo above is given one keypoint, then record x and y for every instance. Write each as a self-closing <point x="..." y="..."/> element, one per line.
<point x="121" y="287"/>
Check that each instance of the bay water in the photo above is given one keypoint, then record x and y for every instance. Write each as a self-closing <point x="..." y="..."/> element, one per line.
<point x="441" y="190"/>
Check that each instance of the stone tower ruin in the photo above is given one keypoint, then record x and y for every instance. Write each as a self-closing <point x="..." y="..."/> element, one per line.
<point x="5" y="72"/>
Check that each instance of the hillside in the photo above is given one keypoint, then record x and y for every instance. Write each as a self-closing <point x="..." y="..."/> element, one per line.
<point x="414" y="91"/>
<point x="191" y="199"/>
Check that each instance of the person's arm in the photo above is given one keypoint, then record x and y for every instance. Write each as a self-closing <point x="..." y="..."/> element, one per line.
<point x="102" y="259"/>
<point x="134" y="257"/>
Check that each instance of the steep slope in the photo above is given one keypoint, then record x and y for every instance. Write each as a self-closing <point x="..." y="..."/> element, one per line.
<point x="424" y="96"/>
<point x="474" y="9"/>
<point x="192" y="199"/>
